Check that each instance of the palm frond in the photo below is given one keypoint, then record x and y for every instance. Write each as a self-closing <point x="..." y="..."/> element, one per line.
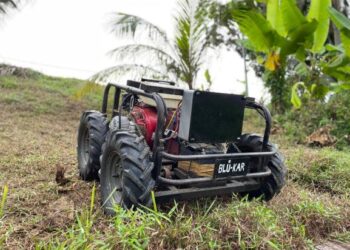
<point x="138" y="51"/>
<point x="136" y="71"/>
<point x="191" y="40"/>
<point x="254" y="25"/>
<point x="5" y="4"/>
<point x="129" y="26"/>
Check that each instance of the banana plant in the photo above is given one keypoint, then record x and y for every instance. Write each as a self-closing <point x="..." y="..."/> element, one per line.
<point x="285" y="30"/>
<point x="338" y="63"/>
<point x="334" y="63"/>
<point x="281" y="33"/>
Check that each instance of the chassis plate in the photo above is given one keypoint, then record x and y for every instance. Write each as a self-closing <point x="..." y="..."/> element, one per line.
<point x="231" y="167"/>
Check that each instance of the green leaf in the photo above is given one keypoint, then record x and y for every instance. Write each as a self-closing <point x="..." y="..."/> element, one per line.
<point x="345" y="86"/>
<point x="295" y="99"/>
<point x="246" y="43"/>
<point x="292" y="16"/>
<point x="345" y="38"/>
<point x="302" y="69"/>
<point x="340" y="86"/>
<point x="334" y="48"/>
<point x="256" y="28"/>
<point x="260" y="59"/>
<point x="319" y="11"/>
<point x="338" y="61"/>
<point x="339" y="19"/>
<point x="274" y="16"/>
<point x="208" y="77"/>
<point x="319" y="91"/>
<point x="343" y="24"/>
<point x="340" y="73"/>
<point x="301" y="54"/>
<point x="299" y="37"/>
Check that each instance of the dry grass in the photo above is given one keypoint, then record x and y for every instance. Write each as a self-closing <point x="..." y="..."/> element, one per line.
<point x="38" y="135"/>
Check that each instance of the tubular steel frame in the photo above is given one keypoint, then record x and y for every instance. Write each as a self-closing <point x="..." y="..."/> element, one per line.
<point x="247" y="182"/>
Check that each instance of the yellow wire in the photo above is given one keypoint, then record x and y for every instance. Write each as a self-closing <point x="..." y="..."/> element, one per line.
<point x="171" y="119"/>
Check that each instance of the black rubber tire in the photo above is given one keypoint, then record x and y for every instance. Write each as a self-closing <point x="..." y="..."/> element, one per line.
<point x="126" y="171"/>
<point x="114" y="124"/>
<point x="272" y="184"/>
<point x="91" y="135"/>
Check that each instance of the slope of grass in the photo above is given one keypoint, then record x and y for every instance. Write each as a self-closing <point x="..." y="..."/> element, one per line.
<point x="327" y="170"/>
<point x="54" y="92"/>
<point x="39" y="118"/>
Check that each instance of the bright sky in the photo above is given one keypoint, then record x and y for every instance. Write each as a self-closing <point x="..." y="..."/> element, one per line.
<point x="71" y="38"/>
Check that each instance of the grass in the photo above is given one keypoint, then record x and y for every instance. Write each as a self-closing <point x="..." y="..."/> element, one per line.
<point x="218" y="224"/>
<point x="326" y="170"/>
<point x="3" y="200"/>
<point x="40" y="115"/>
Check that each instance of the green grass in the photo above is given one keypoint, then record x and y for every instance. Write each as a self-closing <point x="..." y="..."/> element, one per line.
<point x="39" y="119"/>
<point x="3" y="200"/>
<point x="236" y="224"/>
<point x="53" y="92"/>
<point x="8" y="83"/>
<point x="327" y="170"/>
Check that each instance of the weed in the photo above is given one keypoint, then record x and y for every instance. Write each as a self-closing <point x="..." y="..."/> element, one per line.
<point x="3" y="200"/>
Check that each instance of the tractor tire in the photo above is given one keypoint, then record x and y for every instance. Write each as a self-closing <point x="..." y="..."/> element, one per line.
<point x="272" y="184"/>
<point x="126" y="171"/>
<point x="91" y="135"/>
<point x="114" y="124"/>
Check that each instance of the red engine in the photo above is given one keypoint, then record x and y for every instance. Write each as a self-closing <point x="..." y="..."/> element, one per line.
<point x="146" y="119"/>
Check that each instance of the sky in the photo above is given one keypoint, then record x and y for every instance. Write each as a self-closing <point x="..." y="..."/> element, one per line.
<point x="72" y="39"/>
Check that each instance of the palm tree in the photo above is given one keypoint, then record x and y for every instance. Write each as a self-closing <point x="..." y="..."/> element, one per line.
<point x="153" y="52"/>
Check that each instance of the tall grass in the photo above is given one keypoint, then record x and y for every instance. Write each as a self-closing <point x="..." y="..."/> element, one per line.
<point x="2" y="212"/>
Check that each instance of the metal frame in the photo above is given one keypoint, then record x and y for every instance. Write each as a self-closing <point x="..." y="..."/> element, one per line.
<point x="158" y="155"/>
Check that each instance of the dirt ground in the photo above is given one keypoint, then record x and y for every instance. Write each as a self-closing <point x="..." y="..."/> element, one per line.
<point x="32" y="148"/>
